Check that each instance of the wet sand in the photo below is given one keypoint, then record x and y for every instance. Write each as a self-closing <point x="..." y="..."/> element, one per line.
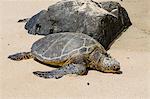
<point x="132" y="50"/>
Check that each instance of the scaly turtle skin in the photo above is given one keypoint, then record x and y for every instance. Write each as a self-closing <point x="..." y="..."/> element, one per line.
<point x="74" y="53"/>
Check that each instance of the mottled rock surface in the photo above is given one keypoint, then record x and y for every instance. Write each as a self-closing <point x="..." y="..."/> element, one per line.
<point x="103" y="21"/>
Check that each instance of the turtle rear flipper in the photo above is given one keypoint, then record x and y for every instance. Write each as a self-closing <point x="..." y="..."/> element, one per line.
<point x="20" y="56"/>
<point x="60" y="72"/>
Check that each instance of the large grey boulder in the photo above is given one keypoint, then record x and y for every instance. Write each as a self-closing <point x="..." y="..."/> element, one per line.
<point x="103" y="21"/>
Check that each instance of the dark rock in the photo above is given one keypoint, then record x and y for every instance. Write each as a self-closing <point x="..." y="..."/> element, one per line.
<point x="103" y="21"/>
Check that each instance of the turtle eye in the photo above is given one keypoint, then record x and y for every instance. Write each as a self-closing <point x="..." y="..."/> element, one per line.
<point x="114" y="67"/>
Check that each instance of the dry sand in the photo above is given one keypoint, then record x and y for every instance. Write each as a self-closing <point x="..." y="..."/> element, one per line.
<point x="132" y="49"/>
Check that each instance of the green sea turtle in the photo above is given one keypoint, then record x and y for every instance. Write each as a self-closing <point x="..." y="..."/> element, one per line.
<point x="74" y="53"/>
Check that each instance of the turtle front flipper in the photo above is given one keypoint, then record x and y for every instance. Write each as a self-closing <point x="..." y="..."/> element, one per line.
<point x="24" y="20"/>
<point x="60" y="72"/>
<point x="20" y="56"/>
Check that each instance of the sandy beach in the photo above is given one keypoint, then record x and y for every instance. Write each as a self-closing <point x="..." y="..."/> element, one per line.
<point x="132" y="50"/>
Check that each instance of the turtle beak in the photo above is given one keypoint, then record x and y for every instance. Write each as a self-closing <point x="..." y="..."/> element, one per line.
<point x="118" y="72"/>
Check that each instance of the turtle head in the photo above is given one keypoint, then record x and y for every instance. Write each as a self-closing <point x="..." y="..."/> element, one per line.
<point x="110" y="65"/>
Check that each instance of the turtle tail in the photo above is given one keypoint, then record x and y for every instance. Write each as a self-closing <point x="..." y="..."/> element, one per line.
<point x="21" y="56"/>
